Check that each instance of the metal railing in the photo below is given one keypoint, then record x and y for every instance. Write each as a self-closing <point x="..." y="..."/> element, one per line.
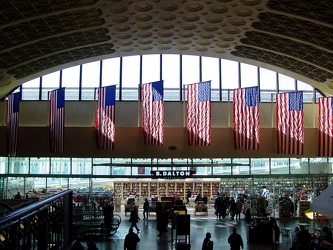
<point x="46" y="224"/>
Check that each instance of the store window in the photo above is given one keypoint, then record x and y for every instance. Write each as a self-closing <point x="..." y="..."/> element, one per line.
<point x="80" y="186"/>
<point x="15" y="185"/>
<point x="141" y="170"/>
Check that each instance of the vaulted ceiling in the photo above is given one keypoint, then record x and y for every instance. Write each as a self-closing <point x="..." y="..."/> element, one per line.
<point x="293" y="37"/>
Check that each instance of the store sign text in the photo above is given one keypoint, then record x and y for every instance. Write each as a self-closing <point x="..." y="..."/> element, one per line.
<point x="172" y="174"/>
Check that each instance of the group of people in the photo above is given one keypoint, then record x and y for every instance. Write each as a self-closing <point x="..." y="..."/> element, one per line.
<point x="223" y="204"/>
<point x="235" y="241"/>
<point x="301" y="239"/>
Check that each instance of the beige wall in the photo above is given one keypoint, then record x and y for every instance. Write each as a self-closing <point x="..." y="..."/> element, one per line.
<point x="80" y="138"/>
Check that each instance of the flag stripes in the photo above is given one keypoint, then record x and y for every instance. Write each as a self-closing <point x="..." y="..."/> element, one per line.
<point x="153" y="113"/>
<point x="325" y="127"/>
<point x="199" y="114"/>
<point x="290" y="123"/>
<point x="246" y="118"/>
<point x="57" y="120"/>
<point x="105" y="118"/>
<point x="13" y="103"/>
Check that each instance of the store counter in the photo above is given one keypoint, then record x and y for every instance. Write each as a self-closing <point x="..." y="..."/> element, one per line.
<point x="264" y="231"/>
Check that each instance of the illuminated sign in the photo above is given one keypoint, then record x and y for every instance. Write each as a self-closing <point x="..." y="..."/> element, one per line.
<point x="169" y="174"/>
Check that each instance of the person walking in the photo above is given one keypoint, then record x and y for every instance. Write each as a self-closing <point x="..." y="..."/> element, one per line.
<point x="304" y="238"/>
<point x="145" y="209"/>
<point x="108" y="217"/>
<point x="235" y="240"/>
<point x="134" y="218"/>
<point x="207" y="243"/>
<point x="131" y="240"/>
<point x="239" y="209"/>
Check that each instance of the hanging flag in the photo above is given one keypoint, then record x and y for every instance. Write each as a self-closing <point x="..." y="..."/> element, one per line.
<point x="105" y="117"/>
<point x="325" y="127"/>
<point x="153" y="113"/>
<point x="290" y="123"/>
<point x="246" y="118"/>
<point x="13" y="104"/>
<point x="57" y="120"/>
<point x="199" y="114"/>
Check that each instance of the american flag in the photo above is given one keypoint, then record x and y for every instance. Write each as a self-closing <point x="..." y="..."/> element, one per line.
<point x="246" y="118"/>
<point x="153" y="113"/>
<point x="57" y="120"/>
<point x="199" y="114"/>
<point x="105" y="117"/>
<point x="13" y="104"/>
<point x="325" y="127"/>
<point x="290" y="123"/>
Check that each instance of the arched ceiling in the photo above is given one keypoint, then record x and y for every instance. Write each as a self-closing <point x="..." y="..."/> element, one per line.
<point x="293" y="37"/>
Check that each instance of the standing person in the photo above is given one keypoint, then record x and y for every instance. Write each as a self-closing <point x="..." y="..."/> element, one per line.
<point x="145" y="209"/>
<point x="207" y="243"/>
<point x="108" y="216"/>
<point x="304" y="238"/>
<point x="235" y="240"/>
<point x="218" y="208"/>
<point x="131" y="240"/>
<point x="232" y="208"/>
<point x="188" y="196"/>
<point x="134" y="218"/>
<point x="18" y="196"/>
<point x="239" y="208"/>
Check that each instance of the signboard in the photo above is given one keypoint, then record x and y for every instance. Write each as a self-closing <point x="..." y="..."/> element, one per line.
<point x="170" y="174"/>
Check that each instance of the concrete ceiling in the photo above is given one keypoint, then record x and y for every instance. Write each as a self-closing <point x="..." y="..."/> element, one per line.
<point x="293" y="37"/>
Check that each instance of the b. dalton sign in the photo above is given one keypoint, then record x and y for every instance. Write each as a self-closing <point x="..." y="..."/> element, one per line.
<point x="169" y="174"/>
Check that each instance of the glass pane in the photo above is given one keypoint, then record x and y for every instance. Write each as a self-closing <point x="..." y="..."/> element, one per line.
<point x="229" y="77"/>
<point x="15" y="187"/>
<point x="130" y="77"/>
<point x="318" y="165"/>
<point x="243" y="166"/>
<point x="35" y="187"/>
<point x="50" y="82"/>
<point x="307" y="91"/>
<point x="39" y="165"/>
<point x="55" y="185"/>
<point x="171" y="76"/>
<point x="210" y="72"/>
<point x="30" y="90"/>
<point x="280" y="166"/>
<point x="120" y="170"/>
<point x="101" y="170"/>
<point x="19" y="165"/>
<point x="150" y="68"/>
<point x="259" y="166"/>
<point x="190" y="69"/>
<point x="3" y="165"/>
<point x="267" y="85"/>
<point x="60" y="165"/>
<point x="81" y="165"/>
<point x="71" y="80"/>
<point x="286" y="83"/>
<point x="141" y="170"/>
<point x="90" y="79"/>
<point x="298" y="165"/>
<point x="111" y="72"/>
<point x="249" y="75"/>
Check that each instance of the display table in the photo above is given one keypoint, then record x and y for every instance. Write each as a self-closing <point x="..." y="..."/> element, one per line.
<point x="200" y="207"/>
<point x="263" y="231"/>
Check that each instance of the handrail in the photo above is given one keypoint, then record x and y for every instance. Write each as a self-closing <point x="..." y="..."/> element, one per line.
<point x="35" y="206"/>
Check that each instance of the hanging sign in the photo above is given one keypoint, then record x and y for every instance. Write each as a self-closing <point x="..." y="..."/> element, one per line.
<point x="172" y="174"/>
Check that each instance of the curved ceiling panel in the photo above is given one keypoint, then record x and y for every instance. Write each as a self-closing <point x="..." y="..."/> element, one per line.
<point x="291" y="37"/>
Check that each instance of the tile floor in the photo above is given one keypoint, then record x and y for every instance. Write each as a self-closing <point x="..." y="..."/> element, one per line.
<point x="200" y="224"/>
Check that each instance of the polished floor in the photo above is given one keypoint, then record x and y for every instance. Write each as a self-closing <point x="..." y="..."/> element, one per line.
<point x="200" y="224"/>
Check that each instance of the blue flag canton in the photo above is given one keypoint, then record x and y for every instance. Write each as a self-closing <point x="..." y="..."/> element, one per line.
<point x="16" y="102"/>
<point x="204" y="91"/>
<point x="157" y="91"/>
<point x="295" y="101"/>
<point x="110" y="95"/>
<point x="60" y="98"/>
<point x="251" y="96"/>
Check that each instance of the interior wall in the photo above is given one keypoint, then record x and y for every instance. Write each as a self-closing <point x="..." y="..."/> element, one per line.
<point x="80" y="140"/>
